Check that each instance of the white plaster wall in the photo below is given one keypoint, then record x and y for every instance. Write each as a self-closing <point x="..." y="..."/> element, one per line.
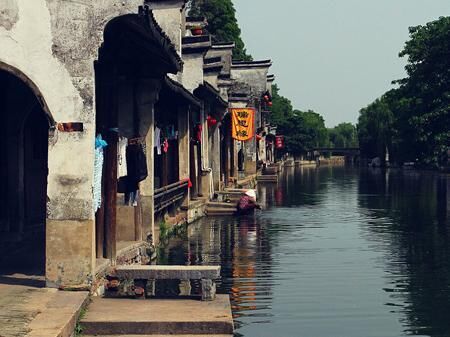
<point x="226" y="54"/>
<point x="27" y="46"/>
<point x="269" y="86"/>
<point x="192" y="75"/>
<point x="256" y="78"/>
<point x="211" y="78"/>
<point x="170" y="20"/>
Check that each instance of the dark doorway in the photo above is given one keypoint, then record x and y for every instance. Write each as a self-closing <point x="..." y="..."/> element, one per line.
<point x="23" y="181"/>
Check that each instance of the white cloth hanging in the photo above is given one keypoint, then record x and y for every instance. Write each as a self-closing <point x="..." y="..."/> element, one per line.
<point x="97" y="184"/>
<point x="122" y="157"/>
<point x="157" y="142"/>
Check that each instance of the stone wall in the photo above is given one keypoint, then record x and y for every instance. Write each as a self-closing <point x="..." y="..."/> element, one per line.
<point x="52" y="45"/>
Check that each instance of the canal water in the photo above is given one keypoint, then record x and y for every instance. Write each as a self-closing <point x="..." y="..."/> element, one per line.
<point x="336" y="252"/>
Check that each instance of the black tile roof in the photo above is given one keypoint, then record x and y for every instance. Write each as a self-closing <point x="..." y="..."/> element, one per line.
<point x="179" y="90"/>
<point x="208" y="92"/>
<point x="144" y="33"/>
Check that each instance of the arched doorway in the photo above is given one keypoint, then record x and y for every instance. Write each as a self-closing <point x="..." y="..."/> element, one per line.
<point x="23" y="179"/>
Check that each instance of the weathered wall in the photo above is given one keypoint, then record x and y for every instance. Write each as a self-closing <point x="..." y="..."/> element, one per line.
<point x="225" y="53"/>
<point x="211" y="78"/>
<point x="192" y="75"/>
<point x="256" y="78"/>
<point x="170" y="17"/>
<point x="53" y="44"/>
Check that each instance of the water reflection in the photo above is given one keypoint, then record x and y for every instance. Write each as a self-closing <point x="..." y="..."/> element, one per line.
<point x="417" y="239"/>
<point x="336" y="252"/>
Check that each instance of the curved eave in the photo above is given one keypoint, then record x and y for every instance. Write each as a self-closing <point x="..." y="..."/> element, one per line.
<point x="224" y="45"/>
<point x="146" y="36"/>
<point x="176" y="89"/>
<point x="207" y="92"/>
<point x="251" y="64"/>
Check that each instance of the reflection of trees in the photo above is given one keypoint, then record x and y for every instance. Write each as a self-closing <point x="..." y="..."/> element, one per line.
<point x="409" y="211"/>
<point x="298" y="186"/>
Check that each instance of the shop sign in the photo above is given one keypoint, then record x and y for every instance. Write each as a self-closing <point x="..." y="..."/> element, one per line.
<point x="243" y="121"/>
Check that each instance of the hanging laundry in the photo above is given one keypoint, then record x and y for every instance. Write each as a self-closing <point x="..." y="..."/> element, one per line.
<point x="132" y="198"/>
<point x="165" y="145"/>
<point x="198" y="129"/>
<point x="170" y="132"/>
<point x="122" y="157"/>
<point x="137" y="172"/>
<point x="157" y="142"/>
<point x="100" y="144"/>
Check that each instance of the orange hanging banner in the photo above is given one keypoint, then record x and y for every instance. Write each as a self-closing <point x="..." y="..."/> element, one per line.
<point x="243" y="123"/>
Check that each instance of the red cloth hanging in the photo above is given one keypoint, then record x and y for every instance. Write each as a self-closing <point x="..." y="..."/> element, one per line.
<point x="165" y="145"/>
<point x="198" y="133"/>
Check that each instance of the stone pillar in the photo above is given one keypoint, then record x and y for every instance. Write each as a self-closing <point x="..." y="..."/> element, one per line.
<point x="148" y="95"/>
<point x="208" y="290"/>
<point x="205" y="176"/>
<point x="184" y="148"/>
<point x="215" y="156"/>
<point x="70" y="228"/>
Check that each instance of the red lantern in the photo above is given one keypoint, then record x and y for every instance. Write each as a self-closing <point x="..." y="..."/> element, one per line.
<point x="211" y="121"/>
<point x="270" y="104"/>
<point x="197" y="31"/>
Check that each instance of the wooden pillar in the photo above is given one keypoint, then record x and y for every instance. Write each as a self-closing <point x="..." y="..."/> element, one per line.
<point x="100" y="115"/>
<point x="149" y="89"/>
<point x="184" y="148"/>
<point x="112" y="137"/>
<point x="227" y="140"/>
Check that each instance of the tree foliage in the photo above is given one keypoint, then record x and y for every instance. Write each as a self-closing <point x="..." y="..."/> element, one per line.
<point x="303" y="130"/>
<point x="222" y="23"/>
<point x="281" y="107"/>
<point x="413" y="121"/>
<point x="343" y="135"/>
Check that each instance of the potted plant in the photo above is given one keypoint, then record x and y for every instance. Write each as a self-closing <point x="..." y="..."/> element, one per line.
<point x="197" y="30"/>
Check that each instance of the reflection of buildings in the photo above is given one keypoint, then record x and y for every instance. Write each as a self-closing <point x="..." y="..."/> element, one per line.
<point x="242" y="248"/>
<point x="416" y="238"/>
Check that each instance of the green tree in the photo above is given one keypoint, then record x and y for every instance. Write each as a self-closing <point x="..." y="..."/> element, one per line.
<point x="413" y="120"/>
<point x="303" y="130"/>
<point x="343" y="135"/>
<point x="222" y="23"/>
<point x="425" y="99"/>
<point x="281" y="107"/>
<point x="375" y="124"/>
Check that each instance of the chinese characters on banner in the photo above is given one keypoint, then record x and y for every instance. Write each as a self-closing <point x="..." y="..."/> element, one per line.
<point x="279" y="142"/>
<point x="243" y="121"/>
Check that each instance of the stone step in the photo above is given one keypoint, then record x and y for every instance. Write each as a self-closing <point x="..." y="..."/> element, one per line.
<point x="214" y="204"/>
<point x="231" y="192"/>
<point x="236" y="190"/>
<point x="271" y="170"/>
<point x="118" y="317"/>
<point x="267" y="178"/>
<point x="220" y="211"/>
<point x="159" y="335"/>
<point x="60" y="315"/>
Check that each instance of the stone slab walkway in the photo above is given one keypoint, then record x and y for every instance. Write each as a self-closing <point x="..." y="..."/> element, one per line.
<point x="27" y="310"/>
<point x="125" y="317"/>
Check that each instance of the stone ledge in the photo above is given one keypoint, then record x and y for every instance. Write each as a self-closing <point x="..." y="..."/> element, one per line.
<point x="153" y="272"/>
<point x="60" y="316"/>
<point x="158" y="317"/>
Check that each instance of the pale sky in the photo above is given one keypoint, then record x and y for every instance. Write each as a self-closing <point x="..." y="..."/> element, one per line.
<point x="333" y="56"/>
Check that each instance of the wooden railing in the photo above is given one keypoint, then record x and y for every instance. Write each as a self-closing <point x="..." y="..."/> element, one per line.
<point x="168" y="195"/>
